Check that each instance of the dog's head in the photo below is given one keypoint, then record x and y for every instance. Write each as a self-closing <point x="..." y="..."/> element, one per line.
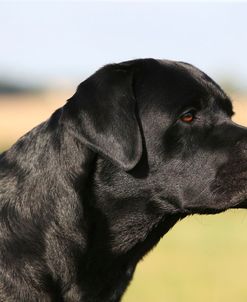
<point x="163" y="132"/>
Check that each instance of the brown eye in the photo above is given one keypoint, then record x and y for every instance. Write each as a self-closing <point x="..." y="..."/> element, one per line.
<point x="187" y="117"/>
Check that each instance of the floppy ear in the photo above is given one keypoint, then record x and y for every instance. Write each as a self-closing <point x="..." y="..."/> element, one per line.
<point x="104" y="111"/>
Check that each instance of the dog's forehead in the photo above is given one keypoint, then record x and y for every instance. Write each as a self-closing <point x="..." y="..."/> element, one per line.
<point x="174" y="85"/>
<point x="189" y="77"/>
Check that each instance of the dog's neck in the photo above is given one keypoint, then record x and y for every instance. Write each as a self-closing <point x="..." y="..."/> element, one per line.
<point x="117" y="231"/>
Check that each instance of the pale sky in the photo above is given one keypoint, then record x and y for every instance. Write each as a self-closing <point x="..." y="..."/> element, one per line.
<point x="43" y="41"/>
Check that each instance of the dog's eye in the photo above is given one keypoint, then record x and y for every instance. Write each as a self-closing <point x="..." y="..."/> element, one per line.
<point x="187" y="117"/>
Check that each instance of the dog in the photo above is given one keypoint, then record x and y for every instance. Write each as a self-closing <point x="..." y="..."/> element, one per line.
<point x="86" y="194"/>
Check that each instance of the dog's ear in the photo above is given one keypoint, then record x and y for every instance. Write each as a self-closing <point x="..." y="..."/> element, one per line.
<point x="104" y="110"/>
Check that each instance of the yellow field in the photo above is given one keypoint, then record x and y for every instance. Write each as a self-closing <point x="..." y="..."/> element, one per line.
<point x="20" y="113"/>
<point x="202" y="259"/>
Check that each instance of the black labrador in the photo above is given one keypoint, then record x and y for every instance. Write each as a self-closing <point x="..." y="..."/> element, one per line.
<point x="86" y="194"/>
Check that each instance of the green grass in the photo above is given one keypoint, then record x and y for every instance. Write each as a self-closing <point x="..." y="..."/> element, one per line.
<point x="202" y="259"/>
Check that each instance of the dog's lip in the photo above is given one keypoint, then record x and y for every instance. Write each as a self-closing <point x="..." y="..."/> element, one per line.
<point x="241" y="205"/>
<point x="240" y="200"/>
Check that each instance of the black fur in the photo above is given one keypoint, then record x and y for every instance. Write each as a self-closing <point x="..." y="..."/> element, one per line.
<point x="86" y="194"/>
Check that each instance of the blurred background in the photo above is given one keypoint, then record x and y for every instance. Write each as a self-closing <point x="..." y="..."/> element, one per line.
<point x="48" y="48"/>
